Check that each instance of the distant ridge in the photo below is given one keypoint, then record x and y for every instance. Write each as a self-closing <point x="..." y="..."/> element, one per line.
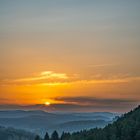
<point x="39" y="121"/>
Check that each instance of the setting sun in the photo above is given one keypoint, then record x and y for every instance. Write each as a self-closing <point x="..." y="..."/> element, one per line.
<point x="47" y="103"/>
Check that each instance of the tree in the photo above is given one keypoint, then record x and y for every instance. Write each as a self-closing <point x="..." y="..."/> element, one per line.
<point x="37" y="137"/>
<point x="137" y="137"/>
<point x="54" y="136"/>
<point x="46" y="136"/>
<point x="65" y="136"/>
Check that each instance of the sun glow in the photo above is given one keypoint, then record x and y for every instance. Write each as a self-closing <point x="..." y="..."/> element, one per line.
<point x="47" y="103"/>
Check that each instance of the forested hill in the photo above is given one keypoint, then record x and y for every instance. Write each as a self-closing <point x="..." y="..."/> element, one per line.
<point x="15" y="134"/>
<point x="126" y="127"/>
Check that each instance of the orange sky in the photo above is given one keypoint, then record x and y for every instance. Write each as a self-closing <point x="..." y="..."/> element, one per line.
<point x="58" y="52"/>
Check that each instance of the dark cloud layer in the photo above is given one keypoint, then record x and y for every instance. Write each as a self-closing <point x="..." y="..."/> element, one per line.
<point x="80" y="104"/>
<point x="93" y="101"/>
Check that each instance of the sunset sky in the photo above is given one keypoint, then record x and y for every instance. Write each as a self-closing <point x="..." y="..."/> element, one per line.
<point x="70" y="55"/>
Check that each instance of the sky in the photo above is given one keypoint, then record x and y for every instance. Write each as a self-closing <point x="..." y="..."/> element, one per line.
<point x="70" y="55"/>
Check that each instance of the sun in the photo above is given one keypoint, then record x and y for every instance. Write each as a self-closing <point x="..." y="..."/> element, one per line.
<point x="47" y="103"/>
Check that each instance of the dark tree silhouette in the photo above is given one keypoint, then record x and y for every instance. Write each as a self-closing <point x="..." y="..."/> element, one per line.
<point x="55" y="136"/>
<point x="65" y="136"/>
<point x="37" y="137"/>
<point x="46" y="136"/>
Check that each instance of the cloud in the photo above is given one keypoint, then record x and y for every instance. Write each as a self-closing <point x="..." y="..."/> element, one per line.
<point x="96" y="81"/>
<point x="94" y="101"/>
<point x="102" y="65"/>
<point x="95" y="104"/>
<point x="50" y="78"/>
<point x="44" y="75"/>
<point x="80" y="104"/>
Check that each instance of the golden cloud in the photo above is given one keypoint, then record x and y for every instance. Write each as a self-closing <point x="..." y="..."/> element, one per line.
<point x="44" y="75"/>
<point x="51" y="78"/>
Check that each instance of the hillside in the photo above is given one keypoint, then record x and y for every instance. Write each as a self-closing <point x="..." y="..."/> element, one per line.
<point x="126" y="127"/>
<point x="14" y="134"/>
<point x="40" y="121"/>
<point x="74" y="126"/>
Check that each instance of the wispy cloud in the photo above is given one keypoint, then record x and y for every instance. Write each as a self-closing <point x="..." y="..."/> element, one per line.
<point x="102" y="65"/>
<point x="50" y="78"/>
<point x="96" y="81"/>
<point x="38" y="78"/>
<point x="85" y="82"/>
<point x="44" y="75"/>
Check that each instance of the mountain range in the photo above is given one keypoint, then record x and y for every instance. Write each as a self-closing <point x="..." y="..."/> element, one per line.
<point x="124" y="127"/>
<point x="39" y="121"/>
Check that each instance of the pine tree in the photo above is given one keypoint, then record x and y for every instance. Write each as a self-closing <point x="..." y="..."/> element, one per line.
<point x="46" y="136"/>
<point x="65" y="136"/>
<point x="55" y="136"/>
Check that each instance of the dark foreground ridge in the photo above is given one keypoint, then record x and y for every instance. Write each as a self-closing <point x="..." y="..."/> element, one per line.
<point x="15" y="134"/>
<point x="126" y="127"/>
